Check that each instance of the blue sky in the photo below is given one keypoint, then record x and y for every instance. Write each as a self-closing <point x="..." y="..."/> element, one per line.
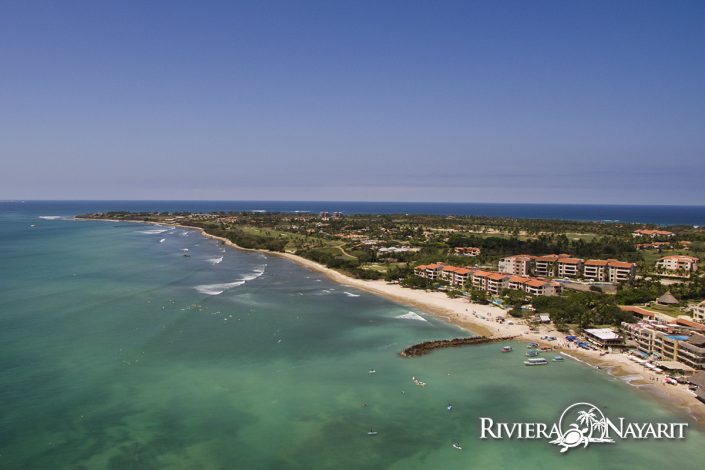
<point x="529" y="101"/>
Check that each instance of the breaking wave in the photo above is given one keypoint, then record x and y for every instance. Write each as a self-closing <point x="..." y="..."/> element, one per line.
<point x="350" y="294"/>
<point x="411" y="316"/>
<point x="215" y="260"/>
<point x="154" y="231"/>
<point x="51" y="217"/>
<point x="217" y="289"/>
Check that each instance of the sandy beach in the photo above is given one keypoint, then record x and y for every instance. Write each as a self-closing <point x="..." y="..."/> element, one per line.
<point x="482" y="320"/>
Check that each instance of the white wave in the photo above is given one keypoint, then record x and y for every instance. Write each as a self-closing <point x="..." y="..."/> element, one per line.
<point x="162" y="240"/>
<point x="350" y="294"/>
<point x="51" y="217"/>
<point x="154" y="231"/>
<point x="257" y="273"/>
<point x="215" y="260"/>
<point x="411" y="316"/>
<point x="216" y="289"/>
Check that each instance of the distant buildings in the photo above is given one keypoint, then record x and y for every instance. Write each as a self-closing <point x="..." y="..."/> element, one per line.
<point x="678" y="264"/>
<point x="610" y="270"/>
<point x="652" y="233"/>
<point x="467" y="251"/>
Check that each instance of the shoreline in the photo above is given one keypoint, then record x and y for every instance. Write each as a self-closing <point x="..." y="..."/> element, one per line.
<point x="481" y="320"/>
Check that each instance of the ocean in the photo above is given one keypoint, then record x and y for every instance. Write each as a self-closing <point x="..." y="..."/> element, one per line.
<point x="118" y="351"/>
<point x="659" y="215"/>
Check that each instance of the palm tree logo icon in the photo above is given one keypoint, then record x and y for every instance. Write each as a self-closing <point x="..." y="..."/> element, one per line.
<point x="589" y="426"/>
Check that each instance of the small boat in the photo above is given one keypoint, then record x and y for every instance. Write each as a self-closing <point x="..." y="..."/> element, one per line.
<point x="187" y="255"/>
<point x="449" y="407"/>
<point x="536" y="361"/>
<point x="506" y="349"/>
<point x="456" y="445"/>
<point x="558" y="358"/>
<point x="372" y="371"/>
<point x="532" y="353"/>
<point x="532" y="345"/>
<point x="372" y="432"/>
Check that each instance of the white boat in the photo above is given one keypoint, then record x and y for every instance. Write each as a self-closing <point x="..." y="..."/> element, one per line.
<point x="457" y="445"/>
<point x="506" y="349"/>
<point x="372" y="433"/>
<point x="558" y="358"/>
<point x="536" y="361"/>
<point x="372" y="371"/>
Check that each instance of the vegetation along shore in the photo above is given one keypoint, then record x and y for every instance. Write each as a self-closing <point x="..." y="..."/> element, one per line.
<point x="545" y="281"/>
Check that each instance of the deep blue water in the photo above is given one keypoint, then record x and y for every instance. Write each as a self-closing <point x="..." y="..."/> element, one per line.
<point x="661" y="215"/>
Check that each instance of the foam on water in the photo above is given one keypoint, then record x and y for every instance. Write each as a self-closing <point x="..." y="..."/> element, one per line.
<point x="215" y="260"/>
<point x="350" y="294"/>
<point x="55" y="217"/>
<point x="411" y="316"/>
<point x="217" y="289"/>
<point x="154" y="231"/>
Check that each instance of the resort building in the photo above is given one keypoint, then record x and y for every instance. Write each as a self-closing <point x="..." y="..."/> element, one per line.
<point x="699" y="312"/>
<point x="490" y="281"/>
<point x="461" y="276"/>
<point x="678" y="264"/>
<point x="596" y="270"/>
<point x="518" y="282"/>
<point x="542" y="287"/>
<point x="430" y="271"/>
<point x="521" y="265"/>
<point x="495" y="283"/>
<point x="570" y="267"/>
<point x="448" y="272"/>
<point x="609" y="270"/>
<point x="545" y="266"/>
<point x="467" y="251"/>
<point x="479" y="279"/>
<point x="652" y="233"/>
<point x="604" y="337"/>
<point x="682" y="341"/>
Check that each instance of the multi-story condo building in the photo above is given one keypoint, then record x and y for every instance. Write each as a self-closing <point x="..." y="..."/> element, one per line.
<point x="520" y="265"/>
<point x="430" y="271"/>
<point x="570" y="267"/>
<point x="479" y="279"/>
<point x="461" y="276"/>
<point x="699" y="312"/>
<point x="678" y="264"/>
<point x="546" y="265"/>
<point x="668" y="343"/>
<point x="609" y="270"/>
<point x="620" y="271"/>
<point x="542" y="287"/>
<point x="496" y="282"/>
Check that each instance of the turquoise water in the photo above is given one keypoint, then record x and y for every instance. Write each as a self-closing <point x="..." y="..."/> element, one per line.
<point x="117" y="351"/>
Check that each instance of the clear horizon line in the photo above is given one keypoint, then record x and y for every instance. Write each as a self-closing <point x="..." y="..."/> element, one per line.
<point x="354" y="201"/>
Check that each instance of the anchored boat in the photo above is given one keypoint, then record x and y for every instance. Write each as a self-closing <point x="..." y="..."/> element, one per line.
<point x="536" y="361"/>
